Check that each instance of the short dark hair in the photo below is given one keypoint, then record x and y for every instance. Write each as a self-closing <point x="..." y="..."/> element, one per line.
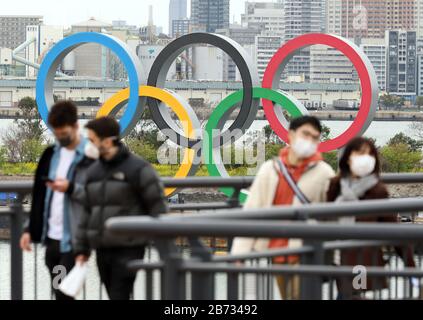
<point x="63" y="113"/>
<point x="301" y="121"/>
<point x="104" y="127"/>
<point x="355" y="145"/>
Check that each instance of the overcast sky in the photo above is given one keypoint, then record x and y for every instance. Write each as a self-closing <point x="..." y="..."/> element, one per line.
<point x="71" y="11"/>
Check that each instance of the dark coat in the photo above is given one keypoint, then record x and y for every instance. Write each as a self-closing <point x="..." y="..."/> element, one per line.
<point x="127" y="185"/>
<point x="39" y="191"/>
<point x="36" y="216"/>
<point x="369" y="256"/>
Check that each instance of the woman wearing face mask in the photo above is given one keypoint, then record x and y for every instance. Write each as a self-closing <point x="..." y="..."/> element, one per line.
<point x="359" y="179"/>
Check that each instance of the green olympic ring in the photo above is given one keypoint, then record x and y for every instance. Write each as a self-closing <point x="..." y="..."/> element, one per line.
<point x="211" y="154"/>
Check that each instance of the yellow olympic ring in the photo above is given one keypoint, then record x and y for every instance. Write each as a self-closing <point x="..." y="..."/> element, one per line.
<point x="170" y="101"/>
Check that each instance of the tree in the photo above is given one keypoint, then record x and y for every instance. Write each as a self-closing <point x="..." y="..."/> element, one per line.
<point x="145" y="143"/>
<point x="143" y="149"/>
<point x="391" y="101"/>
<point x="331" y="158"/>
<point x="417" y="128"/>
<point x="325" y="133"/>
<point x="30" y="121"/>
<point x="24" y="140"/>
<point x="20" y="148"/>
<point x="271" y="136"/>
<point x="399" y="158"/>
<point x="146" y="136"/>
<point x="419" y="101"/>
<point x="401" y="138"/>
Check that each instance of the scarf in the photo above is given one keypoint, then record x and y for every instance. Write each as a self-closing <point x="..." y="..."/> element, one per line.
<point x="354" y="189"/>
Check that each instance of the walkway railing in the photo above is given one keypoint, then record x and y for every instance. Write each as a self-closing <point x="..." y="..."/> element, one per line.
<point x="193" y="271"/>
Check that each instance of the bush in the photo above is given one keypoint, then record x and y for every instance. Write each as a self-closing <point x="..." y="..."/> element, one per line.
<point x="143" y="149"/>
<point x="400" y="158"/>
<point x="401" y="138"/>
<point x="272" y="150"/>
<point x="332" y="159"/>
<point x="18" y="169"/>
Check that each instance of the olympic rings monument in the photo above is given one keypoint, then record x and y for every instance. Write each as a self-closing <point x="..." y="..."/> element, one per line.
<point x="203" y="145"/>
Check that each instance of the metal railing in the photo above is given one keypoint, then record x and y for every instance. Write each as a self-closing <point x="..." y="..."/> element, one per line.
<point x="191" y="270"/>
<point x="316" y="235"/>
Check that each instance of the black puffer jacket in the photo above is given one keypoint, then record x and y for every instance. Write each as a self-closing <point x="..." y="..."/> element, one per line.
<point x="126" y="185"/>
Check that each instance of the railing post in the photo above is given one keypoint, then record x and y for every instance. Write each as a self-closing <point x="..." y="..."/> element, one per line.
<point x="202" y="282"/>
<point x="311" y="286"/>
<point x="172" y="278"/>
<point x="16" y="228"/>
<point x="233" y="282"/>
<point x="233" y="202"/>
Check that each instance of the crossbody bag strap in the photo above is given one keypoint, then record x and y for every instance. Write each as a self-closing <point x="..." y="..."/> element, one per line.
<point x="291" y="182"/>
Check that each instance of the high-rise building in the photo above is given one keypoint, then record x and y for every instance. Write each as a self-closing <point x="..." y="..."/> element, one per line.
<point x="245" y="36"/>
<point x="371" y="18"/>
<point x="212" y="14"/>
<point x="420" y="74"/>
<point x="180" y="27"/>
<point x="420" y="67"/>
<point x="375" y="49"/>
<point x="334" y="16"/>
<point x="401" y="14"/>
<point x="328" y="65"/>
<point x="265" y="22"/>
<point x="301" y="17"/>
<point x="265" y="16"/>
<point x="401" y="78"/>
<point x="419" y="18"/>
<point x="285" y="19"/>
<point x="13" y="29"/>
<point x="265" y="46"/>
<point x="177" y="11"/>
<point x="91" y="59"/>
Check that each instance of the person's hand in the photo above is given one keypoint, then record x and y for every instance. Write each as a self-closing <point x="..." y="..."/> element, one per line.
<point x="25" y="242"/>
<point x="59" y="185"/>
<point x="81" y="259"/>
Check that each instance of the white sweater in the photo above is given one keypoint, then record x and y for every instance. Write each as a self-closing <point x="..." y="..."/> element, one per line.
<point x="314" y="183"/>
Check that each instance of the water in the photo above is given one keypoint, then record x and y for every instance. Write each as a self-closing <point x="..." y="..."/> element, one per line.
<point x="382" y="131"/>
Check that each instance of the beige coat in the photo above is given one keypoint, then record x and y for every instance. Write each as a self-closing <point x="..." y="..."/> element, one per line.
<point x="314" y="183"/>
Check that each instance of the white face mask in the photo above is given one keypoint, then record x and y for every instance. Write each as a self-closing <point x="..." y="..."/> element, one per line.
<point x="91" y="151"/>
<point x="304" y="148"/>
<point x="362" y="165"/>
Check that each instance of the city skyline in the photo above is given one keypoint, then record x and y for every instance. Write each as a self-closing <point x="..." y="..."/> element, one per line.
<point x="133" y="13"/>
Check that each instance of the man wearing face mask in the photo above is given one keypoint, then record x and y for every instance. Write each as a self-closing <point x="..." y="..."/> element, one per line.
<point x="298" y="176"/>
<point x="119" y="184"/>
<point x="54" y="215"/>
